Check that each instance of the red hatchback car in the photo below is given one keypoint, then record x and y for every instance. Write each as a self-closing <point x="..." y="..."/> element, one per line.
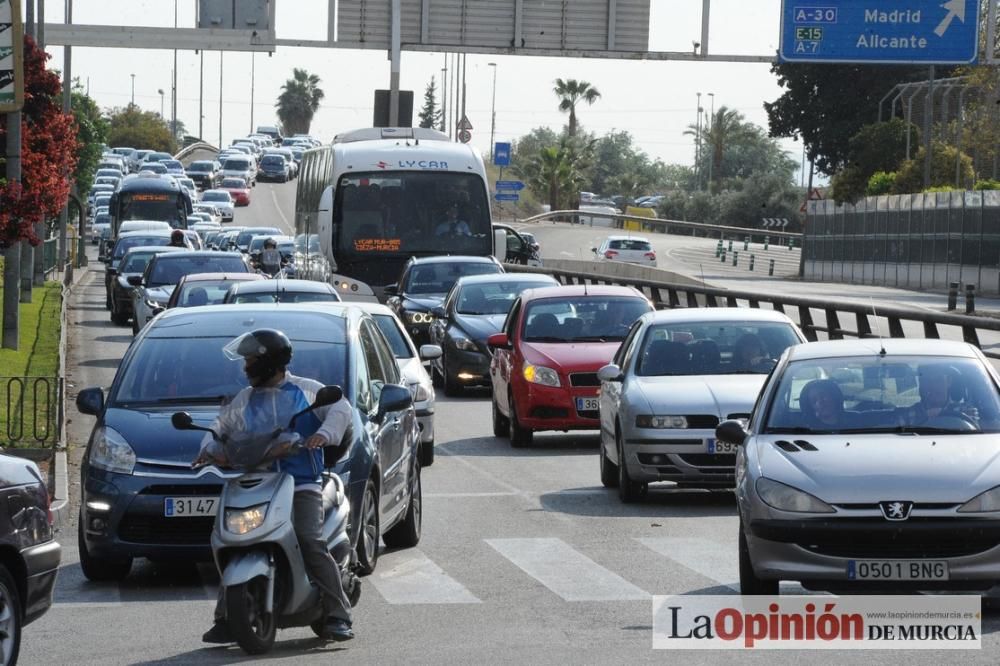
<point x="238" y="190"/>
<point x="545" y="362"/>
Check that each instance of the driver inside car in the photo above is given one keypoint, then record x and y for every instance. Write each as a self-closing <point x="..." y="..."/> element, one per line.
<point x="273" y="396"/>
<point x="452" y="225"/>
<point x="940" y="389"/>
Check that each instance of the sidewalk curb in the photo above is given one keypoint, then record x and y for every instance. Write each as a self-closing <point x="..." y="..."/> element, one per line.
<point x="60" y="498"/>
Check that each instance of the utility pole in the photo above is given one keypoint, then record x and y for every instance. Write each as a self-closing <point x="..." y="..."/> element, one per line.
<point x="394" y="62"/>
<point x="253" y="64"/>
<point x="444" y="94"/>
<point x="201" y="96"/>
<point x="493" y="110"/>
<point x="697" y="145"/>
<point x="173" y="94"/>
<point x="221" y="55"/>
<point x="711" y="146"/>
<point x="463" y="87"/>
<point x="67" y="107"/>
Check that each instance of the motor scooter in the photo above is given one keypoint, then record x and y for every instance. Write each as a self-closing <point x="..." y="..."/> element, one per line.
<point x="254" y="542"/>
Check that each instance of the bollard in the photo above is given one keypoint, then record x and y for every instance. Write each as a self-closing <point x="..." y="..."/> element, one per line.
<point x="736" y="258"/>
<point x="791" y="244"/>
<point x="970" y="298"/>
<point x="746" y="243"/>
<point x="770" y="268"/>
<point x="730" y="244"/>
<point x="952" y="295"/>
<point x="723" y="255"/>
<point x="718" y="248"/>
<point x="751" y="261"/>
<point x="767" y="241"/>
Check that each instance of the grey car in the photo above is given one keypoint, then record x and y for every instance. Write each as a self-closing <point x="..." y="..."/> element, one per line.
<point x="676" y="376"/>
<point x="871" y="465"/>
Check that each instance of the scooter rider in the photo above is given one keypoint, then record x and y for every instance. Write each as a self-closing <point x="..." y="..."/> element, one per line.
<point x="266" y="353"/>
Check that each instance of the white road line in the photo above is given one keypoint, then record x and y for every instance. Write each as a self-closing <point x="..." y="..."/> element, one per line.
<point x="288" y="225"/>
<point x="570" y="574"/>
<point x="713" y="560"/>
<point x="410" y="577"/>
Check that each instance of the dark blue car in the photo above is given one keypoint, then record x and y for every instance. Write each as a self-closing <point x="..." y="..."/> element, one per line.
<point x="140" y="496"/>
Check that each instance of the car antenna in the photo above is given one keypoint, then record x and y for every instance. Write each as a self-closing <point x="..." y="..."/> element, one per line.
<point x="878" y="328"/>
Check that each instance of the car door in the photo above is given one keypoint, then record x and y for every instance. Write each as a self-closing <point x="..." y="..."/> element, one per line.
<point x="438" y="330"/>
<point x="613" y="392"/>
<point x="501" y="364"/>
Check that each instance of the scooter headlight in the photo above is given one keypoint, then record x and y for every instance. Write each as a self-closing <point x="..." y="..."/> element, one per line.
<point x="241" y="521"/>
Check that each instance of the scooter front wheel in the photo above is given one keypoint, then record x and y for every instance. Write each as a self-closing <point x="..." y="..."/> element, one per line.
<point x="246" y="610"/>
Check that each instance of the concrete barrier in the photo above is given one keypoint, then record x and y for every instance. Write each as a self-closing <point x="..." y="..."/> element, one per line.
<point x="619" y="269"/>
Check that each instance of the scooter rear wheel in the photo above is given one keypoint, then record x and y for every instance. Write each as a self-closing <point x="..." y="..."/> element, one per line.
<point x="252" y="626"/>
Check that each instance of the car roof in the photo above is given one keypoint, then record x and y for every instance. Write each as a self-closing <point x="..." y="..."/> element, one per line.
<point x="576" y="290"/>
<point x="208" y="253"/>
<point x="153" y="248"/>
<point x="504" y="277"/>
<point x="452" y="258"/>
<point x="303" y="286"/>
<point x="235" y="318"/>
<point x="152" y="233"/>
<point x="262" y="231"/>
<point x="873" y="346"/>
<point x="213" y="277"/>
<point x="696" y="315"/>
<point x="374" y="308"/>
<point x="635" y="238"/>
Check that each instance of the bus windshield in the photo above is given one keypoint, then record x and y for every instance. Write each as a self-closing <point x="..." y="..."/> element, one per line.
<point x="152" y="206"/>
<point x="405" y="212"/>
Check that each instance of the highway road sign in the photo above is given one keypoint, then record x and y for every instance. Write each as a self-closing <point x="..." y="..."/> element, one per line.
<point x="465" y="136"/>
<point x="867" y="31"/>
<point x="464" y="123"/>
<point x="506" y="196"/>
<point x="510" y="185"/>
<point x="501" y="154"/>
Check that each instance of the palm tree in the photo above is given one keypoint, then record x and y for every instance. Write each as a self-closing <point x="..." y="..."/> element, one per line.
<point x="298" y="102"/>
<point x="560" y="171"/>
<point x="722" y="130"/>
<point x="570" y="92"/>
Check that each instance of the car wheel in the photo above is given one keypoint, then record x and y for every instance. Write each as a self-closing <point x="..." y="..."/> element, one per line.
<point x="10" y="618"/>
<point x="520" y="437"/>
<point x="629" y="491"/>
<point x="749" y="582"/>
<point x="452" y="387"/>
<point x="436" y="376"/>
<point x="103" y="569"/>
<point x="118" y="318"/>
<point x="406" y="534"/>
<point x="427" y="453"/>
<point x="368" y="534"/>
<point x="609" y="470"/>
<point x="135" y="325"/>
<point x="107" y="302"/>
<point x="501" y="425"/>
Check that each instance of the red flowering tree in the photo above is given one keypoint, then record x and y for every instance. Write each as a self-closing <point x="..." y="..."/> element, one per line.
<point x="48" y="153"/>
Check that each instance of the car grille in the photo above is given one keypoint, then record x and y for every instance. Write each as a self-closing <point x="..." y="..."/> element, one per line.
<point x="588" y="414"/>
<point x="186" y="490"/>
<point x="584" y="379"/>
<point x="709" y="459"/>
<point x="914" y="551"/>
<point x="544" y="412"/>
<point x="168" y="531"/>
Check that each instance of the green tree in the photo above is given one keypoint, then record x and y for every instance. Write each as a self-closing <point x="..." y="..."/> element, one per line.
<point x="827" y="104"/>
<point x="570" y="93"/>
<point x="430" y="115"/>
<point x="736" y="149"/>
<point x="299" y="101"/>
<point x="727" y="127"/>
<point x="877" y="147"/>
<point x="132" y="126"/>
<point x="620" y="167"/>
<point x="910" y="177"/>
<point x="560" y="171"/>
<point x="523" y="163"/>
<point x="92" y="131"/>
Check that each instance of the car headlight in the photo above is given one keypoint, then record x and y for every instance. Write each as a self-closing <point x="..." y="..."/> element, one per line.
<point x="983" y="502"/>
<point x="786" y="498"/>
<point x="661" y="421"/>
<point x="111" y="452"/>
<point x="539" y="374"/>
<point x="464" y="344"/>
<point x="241" y="521"/>
<point x="419" y="317"/>
<point x="421" y="392"/>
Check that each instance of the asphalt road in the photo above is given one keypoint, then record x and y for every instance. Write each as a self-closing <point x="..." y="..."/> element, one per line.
<point x="524" y="557"/>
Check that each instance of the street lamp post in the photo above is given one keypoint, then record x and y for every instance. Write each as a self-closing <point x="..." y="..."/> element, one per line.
<point x="133" y="90"/>
<point x="161" y="101"/>
<point x="493" y="109"/>
<point x="711" y="148"/>
<point x="697" y="143"/>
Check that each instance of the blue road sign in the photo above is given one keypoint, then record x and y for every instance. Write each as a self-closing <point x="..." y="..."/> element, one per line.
<point x="501" y="154"/>
<point x="515" y="185"/>
<point x="506" y="196"/>
<point x="870" y="31"/>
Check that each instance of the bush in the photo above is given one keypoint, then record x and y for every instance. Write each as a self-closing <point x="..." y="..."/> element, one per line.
<point x="910" y="177"/>
<point x="987" y="184"/>
<point x="942" y="188"/>
<point x="881" y="182"/>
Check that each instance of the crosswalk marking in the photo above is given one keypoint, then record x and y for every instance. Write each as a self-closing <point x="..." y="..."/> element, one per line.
<point x="713" y="560"/>
<point x="570" y="574"/>
<point x="410" y="577"/>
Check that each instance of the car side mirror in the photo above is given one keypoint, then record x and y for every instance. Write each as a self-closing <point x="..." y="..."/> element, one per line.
<point x="594" y="250"/>
<point x="430" y="352"/>
<point x="731" y="431"/>
<point x="498" y="341"/>
<point x="182" y="421"/>
<point x="391" y="289"/>
<point x="610" y="373"/>
<point x="90" y="401"/>
<point x="439" y="312"/>
<point x="394" y="398"/>
<point x="135" y="280"/>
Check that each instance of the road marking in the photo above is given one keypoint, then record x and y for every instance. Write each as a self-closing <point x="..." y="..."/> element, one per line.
<point x="410" y="577"/>
<point x="570" y="574"/>
<point x="288" y="225"/>
<point x="712" y="559"/>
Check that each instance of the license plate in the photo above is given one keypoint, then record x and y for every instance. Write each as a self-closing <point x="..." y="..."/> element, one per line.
<point x="187" y="507"/>
<point x="714" y="446"/>
<point x="588" y="404"/>
<point x="897" y="570"/>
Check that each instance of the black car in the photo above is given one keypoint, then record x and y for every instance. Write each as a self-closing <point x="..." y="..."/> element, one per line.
<point x="206" y="174"/>
<point x="133" y="263"/>
<point x="137" y="467"/>
<point x="473" y="310"/>
<point x="31" y="555"/>
<point x="424" y="283"/>
<point x="274" y="167"/>
<point x="125" y="242"/>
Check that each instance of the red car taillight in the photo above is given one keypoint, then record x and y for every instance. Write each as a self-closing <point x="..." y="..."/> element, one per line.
<point x="610" y="254"/>
<point x="651" y="255"/>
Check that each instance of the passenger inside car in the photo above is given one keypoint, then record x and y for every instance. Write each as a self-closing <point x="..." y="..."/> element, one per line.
<point x="822" y="404"/>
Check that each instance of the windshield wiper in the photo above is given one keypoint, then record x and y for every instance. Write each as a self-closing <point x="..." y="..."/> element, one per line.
<point x="192" y="400"/>
<point x="546" y="338"/>
<point x="790" y="430"/>
<point x="594" y="338"/>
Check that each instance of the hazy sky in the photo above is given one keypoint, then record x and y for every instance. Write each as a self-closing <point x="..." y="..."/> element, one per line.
<point x="654" y="100"/>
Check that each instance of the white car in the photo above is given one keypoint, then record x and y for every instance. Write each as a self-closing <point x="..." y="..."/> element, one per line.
<point x="222" y="200"/>
<point x="628" y="249"/>
<point x="411" y="367"/>
<point x="241" y="167"/>
<point x="204" y="207"/>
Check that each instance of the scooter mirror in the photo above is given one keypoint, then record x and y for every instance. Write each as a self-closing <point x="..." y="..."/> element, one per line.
<point x="182" y="421"/>
<point x="327" y="396"/>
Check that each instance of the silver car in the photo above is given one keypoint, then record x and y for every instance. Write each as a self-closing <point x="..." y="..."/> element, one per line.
<point x="222" y="200"/>
<point x="677" y="374"/>
<point x="871" y="465"/>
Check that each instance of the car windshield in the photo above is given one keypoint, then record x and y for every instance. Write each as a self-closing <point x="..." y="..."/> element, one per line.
<point x="244" y="237"/>
<point x="203" y="292"/>
<point x="192" y="370"/>
<point x="440" y="277"/>
<point x="582" y="318"/>
<point x="273" y="160"/>
<point x="103" y="218"/>
<point x="236" y="165"/>
<point x="135" y="262"/>
<point x="387" y="324"/>
<point x="125" y="243"/>
<point x="169" y="269"/>
<point x="285" y="296"/>
<point x="885" y="394"/>
<point x="713" y="348"/>
<point x="172" y="164"/>
<point x="154" y="167"/>
<point x="493" y="298"/>
<point x="200" y="166"/>
<point x="217" y="196"/>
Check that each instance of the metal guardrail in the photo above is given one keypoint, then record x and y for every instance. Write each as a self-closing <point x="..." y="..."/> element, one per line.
<point x="865" y="322"/>
<point x="660" y="225"/>
<point x="30" y="411"/>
